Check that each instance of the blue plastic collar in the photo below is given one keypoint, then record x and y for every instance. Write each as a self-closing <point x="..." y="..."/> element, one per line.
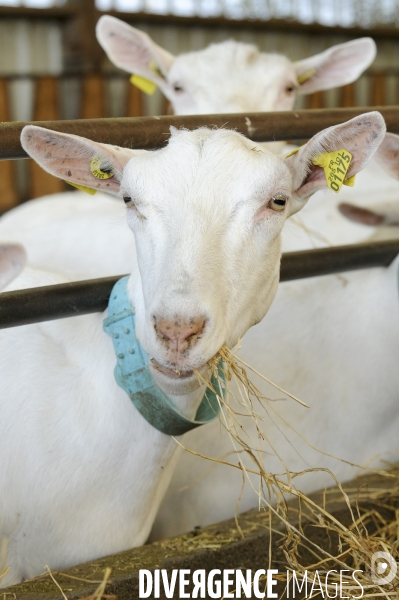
<point x="132" y="372"/>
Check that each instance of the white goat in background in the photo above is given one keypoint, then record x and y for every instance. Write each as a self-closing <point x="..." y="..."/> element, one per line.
<point x="231" y="77"/>
<point x="12" y="261"/>
<point x="82" y="473"/>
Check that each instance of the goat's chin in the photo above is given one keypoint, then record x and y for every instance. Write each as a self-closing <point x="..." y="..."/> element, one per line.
<point x="177" y="383"/>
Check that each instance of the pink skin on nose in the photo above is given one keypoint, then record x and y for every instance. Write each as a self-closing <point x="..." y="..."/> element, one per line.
<point x="179" y="334"/>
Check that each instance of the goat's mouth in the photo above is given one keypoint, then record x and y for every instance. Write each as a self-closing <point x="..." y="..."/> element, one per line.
<point x="172" y="373"/>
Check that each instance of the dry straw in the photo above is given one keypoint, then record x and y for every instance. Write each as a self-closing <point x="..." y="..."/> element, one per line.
<point x="98" y="594"/>
<point x="355" y="545"/>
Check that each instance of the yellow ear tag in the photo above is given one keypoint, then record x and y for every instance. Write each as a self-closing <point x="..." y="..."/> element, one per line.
<point x="336" y="165"/>
<point x="82" y="187"/>
<point x="145" y="85"/>
<point x="351" y="181"/>
<point x="293" y="152"/>
<point x="305" y="76"/>
<point x="95" y="168"/>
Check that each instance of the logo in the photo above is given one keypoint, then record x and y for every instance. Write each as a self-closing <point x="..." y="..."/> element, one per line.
<point x="383" y="568"/>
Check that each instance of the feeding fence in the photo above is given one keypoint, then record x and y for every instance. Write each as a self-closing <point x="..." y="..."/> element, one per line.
<point x="92" y="96"/>
<point x="72" y="299"/>
<point x="252" y="546"/>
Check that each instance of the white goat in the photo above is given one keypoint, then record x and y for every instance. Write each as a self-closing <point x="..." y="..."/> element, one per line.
<point x="231" y="76"/>
<point x="82" y="473"/>
<point x="12" y="261"/>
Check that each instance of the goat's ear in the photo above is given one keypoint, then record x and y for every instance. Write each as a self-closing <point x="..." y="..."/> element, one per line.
<point x="384" y="215"/>
<point x="387" y="155"/>
<point x="133" y="50"/>
<point x="12" y="261"/>
<point x="339" y="65"/>
<point x="76" y="159"/>
<point x="360" y="137"/>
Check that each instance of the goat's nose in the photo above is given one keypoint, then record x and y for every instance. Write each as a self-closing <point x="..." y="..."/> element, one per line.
<point x="180" y="333"/>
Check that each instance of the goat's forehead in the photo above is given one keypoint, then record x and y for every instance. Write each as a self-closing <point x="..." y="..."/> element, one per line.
<point x="231" y="58"/>
<point x="215" y="162"/>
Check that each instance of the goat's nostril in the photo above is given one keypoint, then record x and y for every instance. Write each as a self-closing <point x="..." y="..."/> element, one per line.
<point x="179" y="332"/>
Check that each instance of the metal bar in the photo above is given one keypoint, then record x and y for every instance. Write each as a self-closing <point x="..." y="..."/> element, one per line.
<point x="326" y="261"/>
<point x="153" y="132"/>
<point x="35" y="305"/>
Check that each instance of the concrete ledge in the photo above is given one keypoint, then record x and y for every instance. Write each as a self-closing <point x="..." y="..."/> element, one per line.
<point x="219" y="546"/>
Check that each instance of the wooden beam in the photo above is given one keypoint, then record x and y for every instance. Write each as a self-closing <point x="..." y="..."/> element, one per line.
<point x="286" y="26"/>
<point x="24" y="12"/>
<point x="70" y="11"/>
<point x="348" y="98"/>
<point x="378" y="89"/>
<point x="42" y="183"/>
<point x="148" y="133"/>
<point x="81" y="48"/>
<point x="9" y="194"/>
<point x="315" y="100"/>
<point x="134" y="104"/>
<point x="93" y="105"/>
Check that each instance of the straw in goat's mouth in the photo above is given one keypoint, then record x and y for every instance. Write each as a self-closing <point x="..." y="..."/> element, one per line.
<point x="356" y="545"/>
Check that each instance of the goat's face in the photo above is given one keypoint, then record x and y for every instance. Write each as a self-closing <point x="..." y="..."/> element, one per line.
<point x="207" y="212"/>
<point x="231" y="78"/>
<point x="207" y="236"/>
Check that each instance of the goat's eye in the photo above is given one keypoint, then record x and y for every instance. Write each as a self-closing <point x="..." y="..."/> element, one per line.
<point x="278" y="202"/>
<point x="289" y="89"/>
<point x="133" y="208"/>
<point x="178" y="88"/>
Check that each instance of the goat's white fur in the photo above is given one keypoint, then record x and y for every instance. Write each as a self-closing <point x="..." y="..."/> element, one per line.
<point x="12" y="261"/>
<point x="82" y="474"/>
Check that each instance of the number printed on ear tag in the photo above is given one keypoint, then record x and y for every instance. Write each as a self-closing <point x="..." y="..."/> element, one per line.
<point x="95" y="168"/>
<point x="336" y="165"/>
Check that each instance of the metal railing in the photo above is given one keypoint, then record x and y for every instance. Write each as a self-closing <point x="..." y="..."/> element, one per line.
<point x="34" y="305"/>
<point x="77" y="298"/>
<point x="153" y="132"/>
